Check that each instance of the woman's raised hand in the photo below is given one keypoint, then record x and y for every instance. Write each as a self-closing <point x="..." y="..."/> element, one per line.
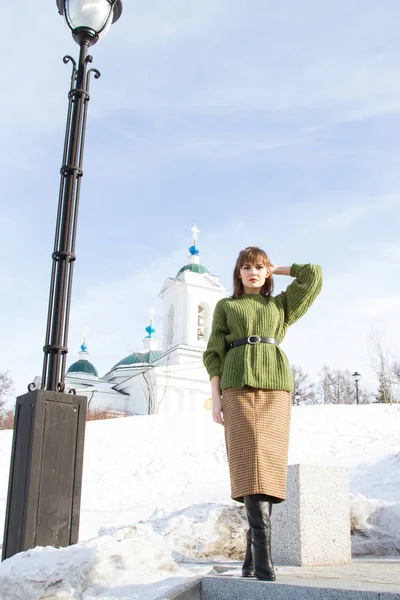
<point x="275" y="270"/>
<point x="272" y="267"/>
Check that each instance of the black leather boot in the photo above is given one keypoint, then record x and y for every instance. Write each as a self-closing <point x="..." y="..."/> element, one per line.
<point x="258" y="514"/>
<point x="247" y="569"/>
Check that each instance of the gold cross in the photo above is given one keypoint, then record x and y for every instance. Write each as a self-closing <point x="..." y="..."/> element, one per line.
<point x="195" y="231"/>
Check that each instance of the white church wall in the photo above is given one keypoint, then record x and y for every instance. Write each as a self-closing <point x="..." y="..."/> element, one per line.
<point x="181" y="355"/>
<point x="98" y="399"/>
<point x="180" y="401"/>
<point x="181" y="388"/>
<point x="172" y="390"/>
<point x="140" y="392"/>
<point x="108" y="401"/>
<point x="175" y="304"/>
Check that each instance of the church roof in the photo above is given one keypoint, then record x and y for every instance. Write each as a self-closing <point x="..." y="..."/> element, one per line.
<point x="195" y="268"/>
<point x="83" y="366"/>
<point x="137" y="358"/>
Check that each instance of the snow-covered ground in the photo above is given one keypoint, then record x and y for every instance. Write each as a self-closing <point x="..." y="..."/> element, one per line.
<point x="156" y="498"/>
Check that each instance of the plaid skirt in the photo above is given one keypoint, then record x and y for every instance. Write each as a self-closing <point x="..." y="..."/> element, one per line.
<point x="257" y="425"/>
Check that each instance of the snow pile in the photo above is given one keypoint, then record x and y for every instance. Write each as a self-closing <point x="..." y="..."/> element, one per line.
<point x="117" y="565"/>
<point x="204" y="532"/>
<point x="106" y="566"/>
<point x="375" y="506"/>
<point x="43" y="572"/>
<point x="156" y="497"/>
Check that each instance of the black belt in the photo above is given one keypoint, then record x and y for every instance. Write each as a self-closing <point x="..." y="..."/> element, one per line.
<point x="254" y="339"/>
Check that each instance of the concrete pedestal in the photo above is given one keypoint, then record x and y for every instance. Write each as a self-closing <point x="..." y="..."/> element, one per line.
<point x="312" y="527"/>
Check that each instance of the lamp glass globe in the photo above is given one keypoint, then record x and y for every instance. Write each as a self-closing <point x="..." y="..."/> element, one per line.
<point x="94" y="14"/>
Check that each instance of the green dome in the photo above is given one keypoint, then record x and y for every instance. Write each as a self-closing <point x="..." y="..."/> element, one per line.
<point x="137" y="358"/>
<point x="194" y="268"/>
<point x="83" y="366"/>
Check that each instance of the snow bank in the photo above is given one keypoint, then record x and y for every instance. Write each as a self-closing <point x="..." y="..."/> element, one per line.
<point x="203" y="532"/>
<point x="375" y="506"/>
<point x="156" y="497"/>
<point x="123" y="560"/>
<point x="121" y="564"/>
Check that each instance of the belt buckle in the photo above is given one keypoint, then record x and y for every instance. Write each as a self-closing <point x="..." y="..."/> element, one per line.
<point x="256" y="339"/>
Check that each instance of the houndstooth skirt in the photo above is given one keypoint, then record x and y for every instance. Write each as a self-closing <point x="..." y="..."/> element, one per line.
<point x="257" y="425"/>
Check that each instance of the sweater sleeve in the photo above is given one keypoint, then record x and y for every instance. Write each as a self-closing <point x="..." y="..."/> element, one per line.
<point x="216" y="347"/>
<point x="301" y="293"/>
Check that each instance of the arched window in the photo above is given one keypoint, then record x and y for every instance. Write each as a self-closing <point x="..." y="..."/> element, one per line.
<point x="170" y="326"/>
<point x="203" y="322"/>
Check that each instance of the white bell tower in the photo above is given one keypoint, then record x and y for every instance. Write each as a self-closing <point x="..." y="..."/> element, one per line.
<point x="189" y="301"/>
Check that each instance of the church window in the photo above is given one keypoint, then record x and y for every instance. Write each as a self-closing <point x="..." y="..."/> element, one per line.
<point x="203" y="322"/>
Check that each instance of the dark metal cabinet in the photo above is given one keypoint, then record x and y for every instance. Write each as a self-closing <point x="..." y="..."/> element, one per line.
<point x="45" y="482"/>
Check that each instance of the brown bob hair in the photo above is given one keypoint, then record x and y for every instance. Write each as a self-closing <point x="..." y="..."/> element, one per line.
<point x="252" y="255"/>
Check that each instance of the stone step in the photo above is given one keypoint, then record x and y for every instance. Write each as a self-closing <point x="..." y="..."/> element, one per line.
<point x="369" y="578"/>
<point x="232" y="588"/>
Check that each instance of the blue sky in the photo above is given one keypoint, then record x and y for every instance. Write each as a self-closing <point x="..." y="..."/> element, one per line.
<point x="268" y="123"/>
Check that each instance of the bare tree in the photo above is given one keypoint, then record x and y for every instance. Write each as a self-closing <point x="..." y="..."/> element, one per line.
<point x="303" y="386"/>
<point x="6" y="386"/>
<point x="149" y="387"/>
<point x="324" y="385"/>
<point x="396" y="370"/>
<point x="336" y="386"/>
<point x="383" y="364"/>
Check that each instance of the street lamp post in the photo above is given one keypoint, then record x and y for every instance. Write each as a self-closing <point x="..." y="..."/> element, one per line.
<point x="88" y="22"/>
<point x="356" y="376"/>
<point x="44" y="490"/>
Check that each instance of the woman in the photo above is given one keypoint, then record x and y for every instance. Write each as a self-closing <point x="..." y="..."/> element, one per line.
<point x="246" y="364"/>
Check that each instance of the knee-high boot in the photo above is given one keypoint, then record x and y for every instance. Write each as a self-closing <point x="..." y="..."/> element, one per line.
<point x="247" y="568"/>
<point x="258" y="514"/>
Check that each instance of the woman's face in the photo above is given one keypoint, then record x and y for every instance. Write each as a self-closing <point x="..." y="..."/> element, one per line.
<point x="253" y="277"/>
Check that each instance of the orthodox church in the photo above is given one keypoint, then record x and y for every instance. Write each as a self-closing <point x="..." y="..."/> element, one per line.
<point x="170" y="379"/>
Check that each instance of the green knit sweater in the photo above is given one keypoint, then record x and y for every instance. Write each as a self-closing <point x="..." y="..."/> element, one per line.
<point x="260" y="365"/>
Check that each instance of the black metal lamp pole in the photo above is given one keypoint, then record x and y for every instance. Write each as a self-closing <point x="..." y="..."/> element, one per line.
<point x="356" y="376"/>
<point x="55" y="348"/>
<point x="44" y="491"/>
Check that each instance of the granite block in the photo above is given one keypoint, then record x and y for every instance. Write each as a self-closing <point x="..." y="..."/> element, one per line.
<point x="312" y="527"/>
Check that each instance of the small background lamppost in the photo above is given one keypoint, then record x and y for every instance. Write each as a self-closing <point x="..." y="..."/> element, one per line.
<point x="297" y="397"/>
<point x="44" y="490"/>
<point x="356" y="376"/>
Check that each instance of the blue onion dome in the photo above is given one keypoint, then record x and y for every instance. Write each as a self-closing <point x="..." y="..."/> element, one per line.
<point x="139" y="358"/>
<point x="150" y="330"/>
<point x="194" y="251"/>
